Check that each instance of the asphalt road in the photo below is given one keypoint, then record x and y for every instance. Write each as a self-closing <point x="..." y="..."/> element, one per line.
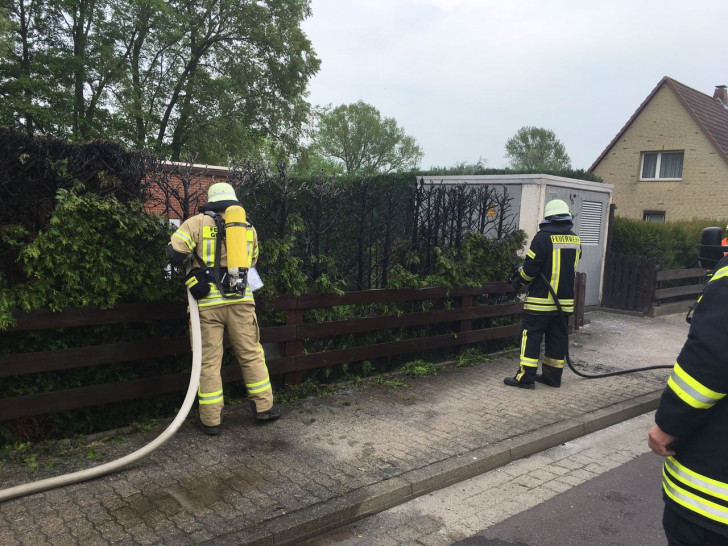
<point x="621" y="507"/>
<point x="600" y="490"/>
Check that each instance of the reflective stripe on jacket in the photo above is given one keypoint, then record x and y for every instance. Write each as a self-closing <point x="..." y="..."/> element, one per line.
<point x="694" y="409"/>
<point x="198" y="234"/>
<point x="555" y="252"/>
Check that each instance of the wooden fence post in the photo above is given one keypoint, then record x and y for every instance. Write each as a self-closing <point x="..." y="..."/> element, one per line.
<point x="647" y="284"/>
<point x="608" y="274"/>
<point x="293" y="348"/>
<point x="654" y="283"/>
<point x="466" y="324"/>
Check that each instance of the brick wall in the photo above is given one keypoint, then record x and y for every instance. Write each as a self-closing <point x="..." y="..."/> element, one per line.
<point x="664" y="125"/>
<point x="203" y="177"/>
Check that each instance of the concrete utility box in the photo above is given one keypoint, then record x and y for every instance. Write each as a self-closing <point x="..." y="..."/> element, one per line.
<point x="527" y="195"/>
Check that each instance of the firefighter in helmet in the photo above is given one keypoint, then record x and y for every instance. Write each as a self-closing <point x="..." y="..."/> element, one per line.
<point x="205" y="243"/>
<point x="550" y="265"/>
<point x="691" y="422"/>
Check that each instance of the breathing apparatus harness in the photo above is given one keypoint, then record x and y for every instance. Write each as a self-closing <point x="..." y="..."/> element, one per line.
<point x="711" y="252"/>
<point x="234" y="231"/>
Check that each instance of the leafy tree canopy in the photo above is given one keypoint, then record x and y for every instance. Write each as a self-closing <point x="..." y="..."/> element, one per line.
<point x="5" y="36"/>
<point x="209" y="76"/>
<point x="534" y="149"/>
<point x="357" y="136"/>
<point x="463" y="167"/>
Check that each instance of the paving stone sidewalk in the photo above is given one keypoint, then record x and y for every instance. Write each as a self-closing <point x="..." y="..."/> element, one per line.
<point x="332" y="460"/>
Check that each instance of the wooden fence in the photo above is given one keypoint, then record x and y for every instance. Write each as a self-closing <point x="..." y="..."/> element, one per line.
<point x="638" y="283"/>
<point x="292" y="361"/>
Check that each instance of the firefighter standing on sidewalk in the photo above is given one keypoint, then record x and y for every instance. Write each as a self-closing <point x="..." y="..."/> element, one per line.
<point x="551" y="260"/>
<point x="691" y="427"/>
<point x="197" y="240"/>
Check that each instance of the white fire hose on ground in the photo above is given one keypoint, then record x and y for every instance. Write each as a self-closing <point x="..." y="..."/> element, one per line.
<point x="112" y="466"/>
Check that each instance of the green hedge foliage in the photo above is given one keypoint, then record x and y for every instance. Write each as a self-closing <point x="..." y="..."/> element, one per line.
<point x="675" y="243"/>
<point x="94" y="251"/>
<point x="91" y="244"/>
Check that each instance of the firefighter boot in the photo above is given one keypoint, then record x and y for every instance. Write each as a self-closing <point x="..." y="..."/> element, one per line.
<point x="271" y="415"/>
<point x="524" y="379"/>
<point x="211" y="430"/>
<point x="550" y="376"/>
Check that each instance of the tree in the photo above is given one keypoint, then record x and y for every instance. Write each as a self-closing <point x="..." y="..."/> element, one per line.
<point x="5" y="36"/>
<point x="210" y="77"/>
<point x="463" y="167"/>
<point x="358" y="136"/>
<point x="536" y="149"/>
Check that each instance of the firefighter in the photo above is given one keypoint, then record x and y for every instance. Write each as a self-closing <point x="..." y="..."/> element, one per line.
<point x="200" y="243"/>
<point x="551" y="260"/>
<point x="691" y="427"/>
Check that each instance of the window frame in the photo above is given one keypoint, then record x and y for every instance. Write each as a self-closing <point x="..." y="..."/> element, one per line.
<point x="647" y="213"/>
<point x="658" y="164"/>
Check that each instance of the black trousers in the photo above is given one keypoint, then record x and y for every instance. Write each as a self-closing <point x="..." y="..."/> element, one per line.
<point x="536" y="326"/>
<point x="683" y="532"/>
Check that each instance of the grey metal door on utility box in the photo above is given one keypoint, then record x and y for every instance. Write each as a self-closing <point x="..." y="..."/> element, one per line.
<point x="589" y="210"/>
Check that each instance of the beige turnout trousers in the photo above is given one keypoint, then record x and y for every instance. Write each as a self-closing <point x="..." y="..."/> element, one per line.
<point x="241" y="324"/>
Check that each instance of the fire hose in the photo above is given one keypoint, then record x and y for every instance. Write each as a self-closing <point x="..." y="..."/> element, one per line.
<point x="112" y="466"/>
<point x="565" y="317"/>
<point x="239" y="235"/>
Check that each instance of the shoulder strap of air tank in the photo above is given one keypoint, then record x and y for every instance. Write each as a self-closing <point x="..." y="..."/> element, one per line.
<point x="217" y="277"/>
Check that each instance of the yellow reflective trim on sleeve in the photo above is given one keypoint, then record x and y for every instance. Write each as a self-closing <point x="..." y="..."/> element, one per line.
<point x="531" y="254"/>
<point x="192" y="281"/>
<point x="186" y="238"/>
<point x="691" y="391"/>
<point x="722" y="272"/>
<point x="526" y="277"/>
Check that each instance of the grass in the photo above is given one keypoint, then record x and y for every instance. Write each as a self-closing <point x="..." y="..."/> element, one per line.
<point x="419" y="368"/>
<point x="141" y="427"/>
<point x="470" y="358"/>
<point x="292" y="393"/>
<point x="389" y="380"/>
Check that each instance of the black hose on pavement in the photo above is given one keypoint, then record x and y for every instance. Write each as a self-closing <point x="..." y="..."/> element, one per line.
<point x="565" y="316"/>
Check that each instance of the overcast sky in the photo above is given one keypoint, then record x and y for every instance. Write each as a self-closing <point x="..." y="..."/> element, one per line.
<point x="462" y="76"/>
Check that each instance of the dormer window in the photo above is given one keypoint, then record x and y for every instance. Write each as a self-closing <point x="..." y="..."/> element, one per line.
<point x="662" y="165"/>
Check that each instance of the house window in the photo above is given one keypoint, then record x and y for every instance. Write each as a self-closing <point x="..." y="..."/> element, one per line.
<point x="653" y="216"/>
<point x="662" y="165"/>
